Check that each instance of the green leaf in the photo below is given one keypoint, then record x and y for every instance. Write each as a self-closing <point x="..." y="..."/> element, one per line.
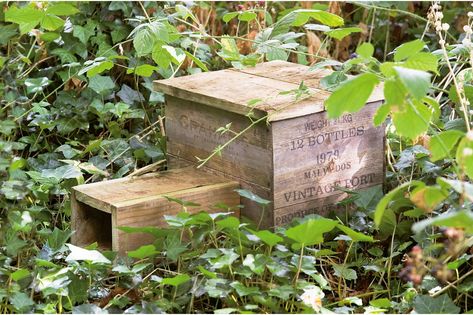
<point x="460" y="219"/>
<point x="365" y="50"/>
<point x="101" y="84"/>
<point x="177" y="280"/>
<point x="21" y="302"/>
<point x="20" y="274"/>
<point x="144" y="41"/>
<point x="465" y="154"/>
<point x="247" y="16"/>
<point x="384" y="202"/>
<point x="381" y="114"/>
<point x="208" y="274"/>
<point x="249" y="195"/>
<point x="423" y="61"/>
<point x="7" y="32"/>
<point x="442" y="144"/>
<point x="243" y="290"/>
<point x="311" y="232"/>
<point x="427" y="198"/>
<point x="425" y="304"/>
<point x="463" y="188"/>
<point x="408" y="49"/>
<point x="79" y="254"/>
<point x="268" y="237"/>
<point x="415" y="81"/>
<point x="340" y="33"/>
<point x="62" y="9"/>
<point x="381" y="303"/>
<point x="228" y="16"/>
<point x="413" y="120"/>
<point x="26" y="17"/>
<point x="143" y="70"/>
<point x="51" y="22"/>
<point x="161" y="56"/>
<point x="36" y="84"/>
<point x="83" y="33"/>
<point x="96" y="67"/>
<point x="229" y="223"/>
<point x="354" y="235"/>
<point x="302" y="16"/>
<point x="344" y="272"/>
<point x="199" y="63"/>
<point x="143" y="252"/>
<point x="351" y="95"/>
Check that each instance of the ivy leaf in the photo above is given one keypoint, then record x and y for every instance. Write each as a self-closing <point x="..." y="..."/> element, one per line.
<point x="268" y="237"/>
<point x="177" y="280"/>
<point x="425" y="304"/>
<point x="101" y="84"/>
<point x="79" y="254"/>
<point x="36" y="84"/>
<point x="311" y="231"/>
<point x="354" y="235"/>
<point x="340" y="33"/>
<point x="441" y="144"/>
<point x="415" y="81"/>
<point x="357" y="90"/>
<point x="344" y="272"/>
<point x="83" y="33"/>
<point x="408" y="49"/>
<point x="143" y="252"/>
<point x="21" y="302"/>
<point x="143" y="70"/>
<point x="250" y="195"/>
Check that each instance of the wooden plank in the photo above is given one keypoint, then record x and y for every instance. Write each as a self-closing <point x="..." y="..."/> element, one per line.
<point x="190" y="129"/>
<point x="314" y="155"/>
<point x="150" y="211"/>
<point x="107" y="194"/>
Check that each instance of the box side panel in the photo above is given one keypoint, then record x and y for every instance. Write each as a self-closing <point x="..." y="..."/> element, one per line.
<point x="151" y="212"/>
<point x="191" y="130"/>
<point x="250" y="209"/>
<point x="314" y="155"/>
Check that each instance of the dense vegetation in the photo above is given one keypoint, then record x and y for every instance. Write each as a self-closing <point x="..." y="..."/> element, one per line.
<point x="77" y="106"/>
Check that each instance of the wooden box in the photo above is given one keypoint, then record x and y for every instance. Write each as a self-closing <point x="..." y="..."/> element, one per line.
<point x="99" y="208"/>
<point x="296" y="157"/>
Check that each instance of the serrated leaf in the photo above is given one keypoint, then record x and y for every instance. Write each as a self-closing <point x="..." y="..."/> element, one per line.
<point x="324" y="17"/>
<point x="59" y="8"/>
<point x="413" y="120"/>
<point x="442" y="144"/>
<point x="415" y="81"/>
<point x="357" y="90"/>
<point x="408" y="49"/>
<point x="26" y="17"/>
<point x="423" y="61"/>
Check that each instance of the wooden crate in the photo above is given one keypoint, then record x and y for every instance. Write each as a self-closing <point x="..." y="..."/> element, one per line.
<point x="99" y="208"/>
<point x="295" y="158"/>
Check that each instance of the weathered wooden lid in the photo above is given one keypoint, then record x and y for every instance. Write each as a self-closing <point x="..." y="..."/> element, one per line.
<point x="233" y="89"/>
<point x="113" y="194"/>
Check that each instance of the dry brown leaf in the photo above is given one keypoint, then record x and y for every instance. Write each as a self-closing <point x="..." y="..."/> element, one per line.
<point x="314" y="47"/>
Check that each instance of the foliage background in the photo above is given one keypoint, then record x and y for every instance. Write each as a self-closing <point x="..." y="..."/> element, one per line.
<point x="77" y="105"/>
